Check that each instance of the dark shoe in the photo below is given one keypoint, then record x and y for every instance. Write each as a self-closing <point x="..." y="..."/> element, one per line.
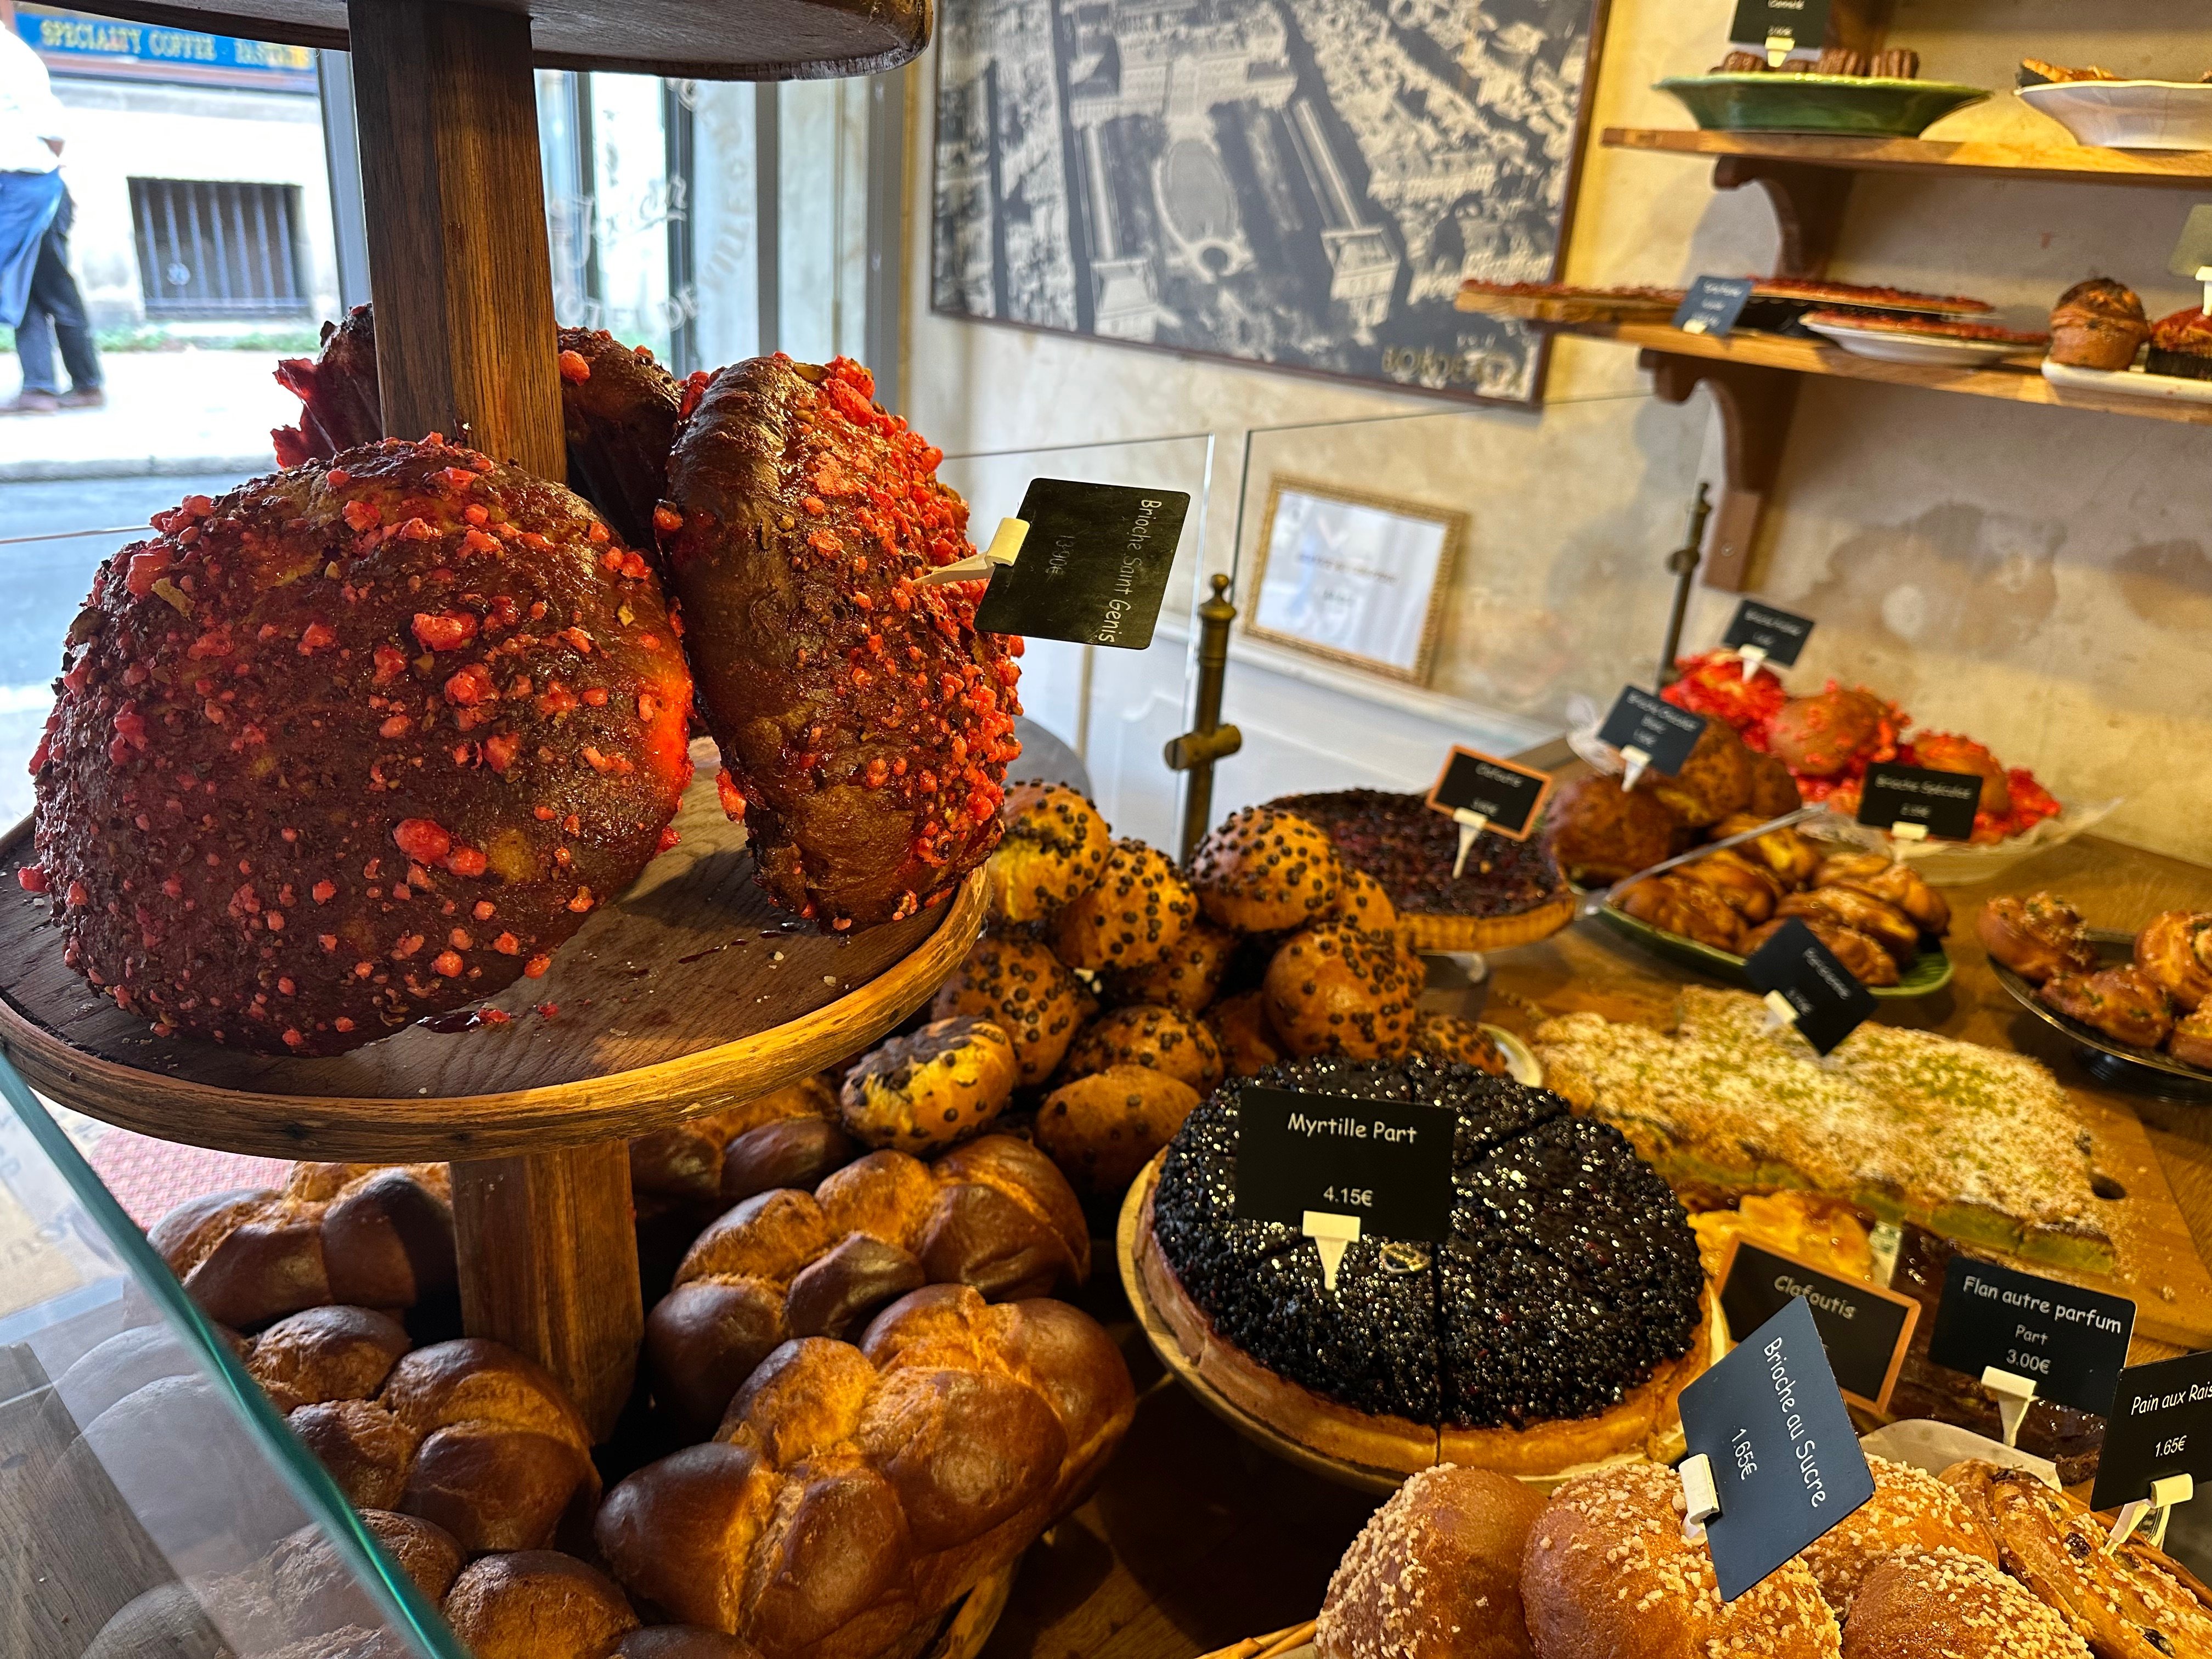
<point x="85" y="396"/>
<point x="28" y="402"/>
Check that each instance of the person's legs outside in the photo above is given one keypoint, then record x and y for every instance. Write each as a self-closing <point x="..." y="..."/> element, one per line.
<point x="28" y="202"/>
<point x="56" y="301"/>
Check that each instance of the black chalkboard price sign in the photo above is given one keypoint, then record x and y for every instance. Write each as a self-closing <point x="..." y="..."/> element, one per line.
<point x="1771" y="25"/>
<point x="1386" y="1163"/>
<point x="1661" y="733"/>
<point x="1093" y="569"/>
<point x="1864" y="1328"/>
<point x="1776" y="634"/>
<point x="1712" y="306"/>
<point x="2070" y="1342"/>
<point x="1506" y="797"/>
<point x="1785" y="1460"/>
<point x="1804" y="983"/>
<point x="1915" y="802"/>
<point x="2160" y="1424"/>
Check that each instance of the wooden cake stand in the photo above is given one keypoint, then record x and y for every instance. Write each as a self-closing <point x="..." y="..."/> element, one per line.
<point x="690" y="990"/>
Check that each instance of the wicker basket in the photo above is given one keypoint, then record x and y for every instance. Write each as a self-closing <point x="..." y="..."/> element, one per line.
<point x="1278" y="1644"/>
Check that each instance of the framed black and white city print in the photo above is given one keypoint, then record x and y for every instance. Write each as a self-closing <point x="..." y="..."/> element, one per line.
<point x="1300" y="184"/>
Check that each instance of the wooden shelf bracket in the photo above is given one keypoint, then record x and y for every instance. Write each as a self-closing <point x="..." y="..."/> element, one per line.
<point x="1808" y="206"/>
<point x="1755" y="405"/>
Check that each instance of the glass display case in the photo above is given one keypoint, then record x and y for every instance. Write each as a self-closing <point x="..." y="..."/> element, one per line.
<point x="153" y="1504"/>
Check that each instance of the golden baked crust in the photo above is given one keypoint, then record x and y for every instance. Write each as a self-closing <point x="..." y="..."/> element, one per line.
<point x="1447" y="1036"/>
<point x="535" y="1603"/>
<point x="685" y="1161"/>
<point x="1102" y="1129"/>
<point x="1714" y="781"/>
<point x="1910" y="1512"/>
<point x="1379" y="1440"/>
<point x="921" y="1092"/>
<point x="1642" y="1424"/>
<point x="1188" y="977"/>
<point x="1436" y="1574"/>
<point x="1143" y="1034"/>
<point x="1055" y="846"/>
<point x="2137" y="1603"/>
<point x="1249" y="1043"/>
<point x="1943" y="1605"/>
<point x="1970" y="1142"/>
<point x="1333" y="988"/>
<point x="1601" y="833"/>
<point x="1132" y="916"/>
<point x="1262" y="872"/>
<point x="1010" y="979"/>
<point x="1442" y="933"/>
<point x="1608" y="1575"/>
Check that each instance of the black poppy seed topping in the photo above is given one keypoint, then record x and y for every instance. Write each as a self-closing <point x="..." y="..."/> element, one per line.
<point x="1571" y="1273"/>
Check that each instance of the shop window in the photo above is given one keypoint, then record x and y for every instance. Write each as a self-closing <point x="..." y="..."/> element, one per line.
<point x="210" y="248"/>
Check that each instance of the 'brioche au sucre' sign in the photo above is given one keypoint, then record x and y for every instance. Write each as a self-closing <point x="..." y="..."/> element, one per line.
<point x="1806" y="986"/>
<point x="1712" y="306"/>
<point x="1865" y="1328"/>
<point x="1915" y="802"/>
<point x="2070" y="1342"/>
<point x="1649" y="730"/>
<point x="1778" y="27"/>
<point x="2160" y="1424"/>
<point x="1340" y="1169"/>
<point x="1093" y="567"/>
<point x="1785" y="1460"/>
<point x="1776" y="634"/>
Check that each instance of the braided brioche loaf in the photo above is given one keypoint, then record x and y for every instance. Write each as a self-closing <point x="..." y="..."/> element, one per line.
<point x="993" y="1214"/>
<point x="468" y="1434"/>
<point x="369" y="1235"/>
<point x="722" y="1156"/>
<point x="851" y="1492"/>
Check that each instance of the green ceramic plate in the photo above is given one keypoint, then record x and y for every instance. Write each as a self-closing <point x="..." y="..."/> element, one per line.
<point x="1848" y="104"/>
<point x="1930" y="971"/>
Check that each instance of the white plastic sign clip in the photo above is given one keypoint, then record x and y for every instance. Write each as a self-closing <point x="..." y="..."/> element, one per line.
<point x="1752" y="657"/>
<point x="2204" y="275"/>
<point x="1904" y="831"/>
<point x="1778" y="47"/>
<point x="1332" y="1235"/>
<point x="1006" y="547"/>
<point x="1781" y="1013"/>
<point x="1471" y="824"/>
<point x="1701" y="1498"/>
<point x="2164" y="1495"/>
<point x="2015" y="1395"/>
<point x="1637" y="760"/>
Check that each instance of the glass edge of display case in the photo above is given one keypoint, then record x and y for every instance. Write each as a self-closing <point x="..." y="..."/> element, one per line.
<point x="390" y="1590"/>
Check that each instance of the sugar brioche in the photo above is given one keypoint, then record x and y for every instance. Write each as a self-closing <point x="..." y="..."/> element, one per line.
<point x="1436" y="1574"/>
<point x="1940" y="1604"/>
<point x="1608" y="1575"/>
<point x="1910" y="1512"/>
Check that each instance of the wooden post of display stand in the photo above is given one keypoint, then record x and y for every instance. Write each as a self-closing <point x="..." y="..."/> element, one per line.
<point x="463" y="282"/>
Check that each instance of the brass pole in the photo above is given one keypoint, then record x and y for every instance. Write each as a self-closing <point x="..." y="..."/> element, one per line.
<point x="1209" y="740"/>
<point x="1682" y="562"/>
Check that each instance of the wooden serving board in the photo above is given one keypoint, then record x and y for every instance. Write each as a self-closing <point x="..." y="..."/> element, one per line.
<point x="689" y="990"/>
<point x="1587" y="969"/>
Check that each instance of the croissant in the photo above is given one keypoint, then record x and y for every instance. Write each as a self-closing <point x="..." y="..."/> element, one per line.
<point x="1897" y="884"/>
<point x="994" y="1214"/>
<point x="1745" y="887"/>
<point x="1885" y="924"/>
<point x="851" y="1492"/>
<point x="1685" y="907"/>
<point x="369" y="1235"/>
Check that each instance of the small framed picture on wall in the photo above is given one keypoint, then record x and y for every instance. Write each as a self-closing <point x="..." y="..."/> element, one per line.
<point x="1356" y="578"/>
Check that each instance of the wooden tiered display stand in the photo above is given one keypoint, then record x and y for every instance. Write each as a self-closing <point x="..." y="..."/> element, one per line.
<point x="688" y="991"/>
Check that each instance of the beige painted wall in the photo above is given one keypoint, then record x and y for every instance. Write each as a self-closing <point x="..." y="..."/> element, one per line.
<point x="2039" y="578"/>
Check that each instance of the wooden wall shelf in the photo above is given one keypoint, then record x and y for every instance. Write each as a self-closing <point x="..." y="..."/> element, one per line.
<point x="2060" y="163"/>
<point x="2015" y="381"/>
<point x="1753" y="378"/>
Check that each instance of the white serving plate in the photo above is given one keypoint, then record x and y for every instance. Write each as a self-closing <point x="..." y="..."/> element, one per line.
<point x="2127" y="382"/>
<point x="2129" y="114"/>
<point x="1938" y="350"/>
